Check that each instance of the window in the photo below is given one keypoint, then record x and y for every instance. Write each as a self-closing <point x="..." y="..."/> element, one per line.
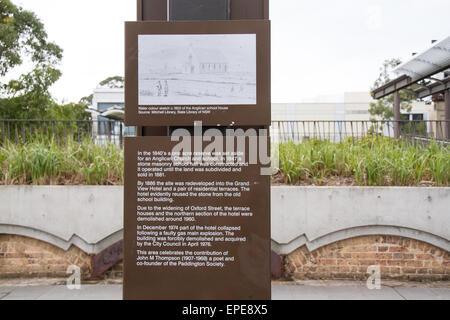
<point x="106" y="105"/>
<point x="412" y="117"/>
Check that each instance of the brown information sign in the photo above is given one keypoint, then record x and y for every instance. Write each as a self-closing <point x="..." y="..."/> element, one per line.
<point x="195" y="227"/>
<point x="217" y="72"/>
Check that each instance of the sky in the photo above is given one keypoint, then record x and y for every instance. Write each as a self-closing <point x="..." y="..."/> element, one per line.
<point x="320" y="48"/>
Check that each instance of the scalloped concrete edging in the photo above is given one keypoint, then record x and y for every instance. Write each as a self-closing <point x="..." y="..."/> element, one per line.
<point x="318" y="216"/>
<point x="91" y="217"/>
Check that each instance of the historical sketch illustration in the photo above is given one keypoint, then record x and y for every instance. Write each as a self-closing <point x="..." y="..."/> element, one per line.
<point x="197" y="69"/>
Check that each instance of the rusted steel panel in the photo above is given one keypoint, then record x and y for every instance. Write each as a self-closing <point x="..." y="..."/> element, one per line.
<point x="152" y="10"/>
<point x="276" y="266"/>
<point x="249" y="9"/>
<point x="107" y="259"/>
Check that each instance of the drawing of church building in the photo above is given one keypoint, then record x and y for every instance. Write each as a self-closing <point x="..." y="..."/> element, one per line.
<point x="205" y="61"/>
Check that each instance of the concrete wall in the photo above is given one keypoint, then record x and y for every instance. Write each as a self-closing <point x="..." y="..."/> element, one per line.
<point x="87" y="216"/>
<point x="318" y="216"/>
<point x="92" y="217"/>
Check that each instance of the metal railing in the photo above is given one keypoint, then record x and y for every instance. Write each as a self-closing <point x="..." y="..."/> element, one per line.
<point x="108" y="131"/>
<point x="336" y="131"/>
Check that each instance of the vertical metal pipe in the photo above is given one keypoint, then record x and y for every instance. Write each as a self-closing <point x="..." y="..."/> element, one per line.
<point x="24" y="139"/>
<point x="121" y="135"/>
<point x="16" y="133"/>
<point x="351" y="130"/>
<point x="447" y="114"/>
<point x="397" y="114"/>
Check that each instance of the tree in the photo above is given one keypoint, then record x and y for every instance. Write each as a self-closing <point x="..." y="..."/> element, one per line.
<point x="29" y="97"/>
<point x="70" y="111"/>
<point x="87" y="100"/>
<point x="383" y="109"/>
<point x="113" y="82"/>
<point x="23" y="37"/>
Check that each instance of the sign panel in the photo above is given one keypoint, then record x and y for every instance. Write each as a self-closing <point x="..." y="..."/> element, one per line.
<point x="197" y="69"/>
<point x="217" y="72"/>
<point x="195" y="227"/>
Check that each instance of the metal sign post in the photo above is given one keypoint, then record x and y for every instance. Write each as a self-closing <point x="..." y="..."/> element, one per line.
<point x="197" y="203"/>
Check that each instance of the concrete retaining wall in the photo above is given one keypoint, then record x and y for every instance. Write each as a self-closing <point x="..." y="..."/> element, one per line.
<point x="318" y="216"/>
<point x="91" y="217"/>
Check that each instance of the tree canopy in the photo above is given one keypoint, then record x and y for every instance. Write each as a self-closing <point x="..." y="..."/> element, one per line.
<point x="22" y="32"/>
<point x="23" y="38"/>
<point x="114" y="82"/>
<point x="383" y="109"/>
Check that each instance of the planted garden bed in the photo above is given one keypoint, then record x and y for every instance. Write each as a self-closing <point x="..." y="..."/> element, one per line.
<point x="372" y="161"/>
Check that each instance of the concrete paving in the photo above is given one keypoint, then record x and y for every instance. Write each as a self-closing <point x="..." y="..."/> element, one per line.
<point x="293" y="292"/>
<point x="279" y="292"/>
<point x="86" y="292"/>
<point x="424" y="293"/>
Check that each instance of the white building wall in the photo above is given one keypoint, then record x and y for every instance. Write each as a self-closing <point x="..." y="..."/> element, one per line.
<point x="353" y="107"/>
<point x="107" y="95"/>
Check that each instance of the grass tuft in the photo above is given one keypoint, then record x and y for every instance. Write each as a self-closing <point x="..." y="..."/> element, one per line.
<point x="47" y="163"/>
<point x="372" y="161"/>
